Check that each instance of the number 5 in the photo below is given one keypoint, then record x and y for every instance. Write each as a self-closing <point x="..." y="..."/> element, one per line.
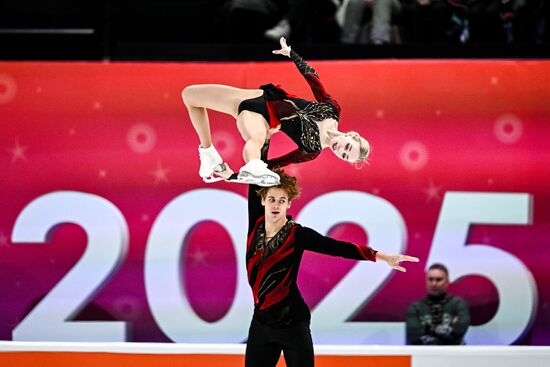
<point x="515" y="284"/>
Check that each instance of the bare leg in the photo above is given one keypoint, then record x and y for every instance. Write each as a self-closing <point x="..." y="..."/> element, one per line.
<point x="253" y="128"/>
<point x="221" y="98"/>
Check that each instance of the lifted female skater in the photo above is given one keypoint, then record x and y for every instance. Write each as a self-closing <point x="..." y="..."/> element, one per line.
<point x="313" y="126"/>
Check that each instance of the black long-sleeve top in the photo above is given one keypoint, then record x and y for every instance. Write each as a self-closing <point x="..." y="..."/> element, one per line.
<point x="272" y="266"/>
<point x="298" y="116"/>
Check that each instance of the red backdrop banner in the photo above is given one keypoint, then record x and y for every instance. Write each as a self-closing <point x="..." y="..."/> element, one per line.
<point x="107" y="233"/>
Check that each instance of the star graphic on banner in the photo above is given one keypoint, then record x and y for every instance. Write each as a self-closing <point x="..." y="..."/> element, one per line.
<point x="432" y="192"/>
<point x="3" y="240"/>
<point x="102" y="173"/>
<point x="18" y="152"/>
<point x="198" y="257"/>
<point x="160" y="174"/>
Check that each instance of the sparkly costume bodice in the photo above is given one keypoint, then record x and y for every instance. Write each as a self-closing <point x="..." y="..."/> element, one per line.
<point x="299" y="118"/>
<point x="270" y="246"/>
<point x="302" y="126"/>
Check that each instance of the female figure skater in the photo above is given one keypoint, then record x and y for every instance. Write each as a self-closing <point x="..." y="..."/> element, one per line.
<point x="274" y="250"/>
<point x="313" y="126"/>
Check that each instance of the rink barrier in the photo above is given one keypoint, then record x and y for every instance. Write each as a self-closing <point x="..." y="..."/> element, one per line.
<point x="65" y="354"/>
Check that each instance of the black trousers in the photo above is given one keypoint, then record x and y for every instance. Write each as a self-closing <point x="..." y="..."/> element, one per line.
<point x="265" y="344"/>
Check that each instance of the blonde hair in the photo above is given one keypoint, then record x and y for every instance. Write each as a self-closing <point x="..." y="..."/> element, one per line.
<point x="364" y="146"/>
<point x="287" y="183"/>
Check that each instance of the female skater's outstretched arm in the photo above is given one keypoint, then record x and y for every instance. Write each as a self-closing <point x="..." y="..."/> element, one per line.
<point x="309" y="73"/>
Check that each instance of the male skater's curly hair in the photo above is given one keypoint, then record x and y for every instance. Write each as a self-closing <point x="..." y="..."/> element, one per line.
<point x="288" y="184"/>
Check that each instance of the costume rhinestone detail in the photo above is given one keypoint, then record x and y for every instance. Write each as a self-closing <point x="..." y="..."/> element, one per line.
<point x="274" y="243"/>
<point x="309" y="116"/>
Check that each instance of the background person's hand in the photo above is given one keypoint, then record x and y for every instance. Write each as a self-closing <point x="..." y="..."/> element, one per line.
<point x="443" y="330"/>
<point x="428" y="340"/>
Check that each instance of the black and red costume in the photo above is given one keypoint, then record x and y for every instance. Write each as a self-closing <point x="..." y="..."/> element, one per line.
<point x="281" y="316"/>
<point x="298" y="117"/>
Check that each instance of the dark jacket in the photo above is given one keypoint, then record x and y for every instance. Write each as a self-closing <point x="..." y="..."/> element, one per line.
<point x="437" y="321"/>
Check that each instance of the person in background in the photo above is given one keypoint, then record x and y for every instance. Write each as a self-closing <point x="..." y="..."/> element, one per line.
<point x="307" y="21"/>
<point x="439" y="318"/>
<point x="247" y="20"/>
<point x="426" y="21"/>
<point x="380" y="25"/>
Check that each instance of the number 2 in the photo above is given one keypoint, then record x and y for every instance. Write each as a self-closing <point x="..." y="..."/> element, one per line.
<point x="107" y="245"/>
<point x="386" y="229"/>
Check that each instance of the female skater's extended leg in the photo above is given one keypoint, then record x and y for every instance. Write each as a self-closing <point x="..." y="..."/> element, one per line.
<point x="222" y="98"/>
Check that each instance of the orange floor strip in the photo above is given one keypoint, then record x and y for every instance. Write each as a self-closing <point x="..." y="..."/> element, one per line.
<point x="362" y="361"/>
<point x="102" y="359"/>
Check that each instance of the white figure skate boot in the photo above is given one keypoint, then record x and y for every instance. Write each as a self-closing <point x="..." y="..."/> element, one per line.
<point x="211" y="164"/>
<point x="255" y="172"/>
